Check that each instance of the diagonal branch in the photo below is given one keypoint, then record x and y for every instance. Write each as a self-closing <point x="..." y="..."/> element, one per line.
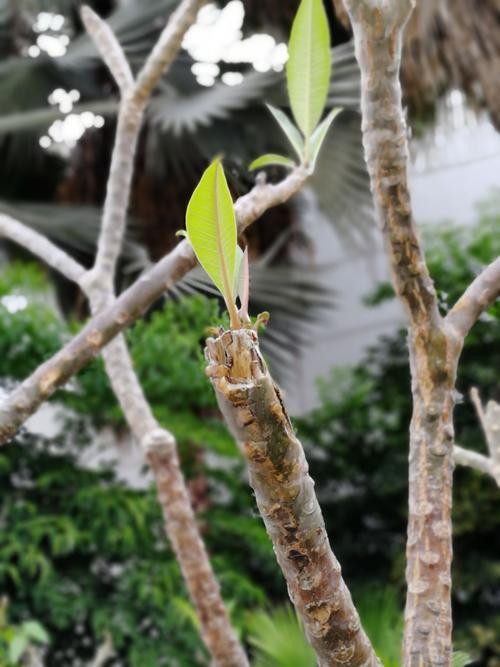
<point x="471" y="459"/>
<point x="478" y="297"/>
<point x="255" y="414"/>
<point x="128" y="307"/>
<point x="41" y="247"/>
<point x="127" y="132"/>
<point x="489" y="419"/>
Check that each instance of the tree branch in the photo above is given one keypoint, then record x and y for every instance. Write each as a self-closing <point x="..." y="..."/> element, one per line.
<point x="41" y="247"/>
<point x="378" y="27"/>
<point x="109" y="49"/>
<point x="478" y="297"/>
<point x="490" y="424"/>
<point x="127" y="133"/>
<point x="128" y="307"/>
<point x="159" y="445"/>
<point x="254" y="412"/>
<point x="470" y="459"/>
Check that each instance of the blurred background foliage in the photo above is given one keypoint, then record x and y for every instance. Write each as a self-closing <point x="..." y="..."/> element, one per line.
<point x="84" y="553"/>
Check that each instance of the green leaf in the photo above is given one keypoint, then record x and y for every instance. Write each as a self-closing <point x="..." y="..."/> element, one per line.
<point x="35" y="632"/>
<point x="461" y="659"/>
<point x="319" y="134"/>
<point x="309" y="65"/>
<point x="271" y="159"/>
<point x="291" y="132"/>
<point x="17" y="647"/>
<point x="237" y="272"/>
<point x="211" y="228"/>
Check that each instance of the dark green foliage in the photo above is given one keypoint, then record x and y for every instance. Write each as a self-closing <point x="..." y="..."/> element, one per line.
<point x="358" y="449"/>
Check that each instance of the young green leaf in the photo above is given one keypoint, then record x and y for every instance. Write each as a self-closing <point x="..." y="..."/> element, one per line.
<point x="271" y="159"/>
<point x="291" y="132"/>
<point x="309" y="65"/>
<point x="461" y="659"/>
<point x="319" y="135"/>
<point x="237" y="272"/>
<point x="211" y="228"/>
<point x="35" y="632"/>
<point x="244" y="287"/>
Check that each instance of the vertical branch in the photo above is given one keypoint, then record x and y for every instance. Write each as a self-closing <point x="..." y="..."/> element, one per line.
<point x="254" y="411"/>
<point x="434" y="346"/>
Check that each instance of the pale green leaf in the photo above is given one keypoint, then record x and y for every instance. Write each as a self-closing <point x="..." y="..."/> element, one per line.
<point x="309" y="65"/>
<point x="237" y="272"/>
<point x="17" y="648"/>
<point x="211" y="228"/>
<point x="271" y="159"/>
<point x="461" y="659"/>
<point x="319" y="135"/>
<point x="35" y="632"/>
<point x="291" y="132"/>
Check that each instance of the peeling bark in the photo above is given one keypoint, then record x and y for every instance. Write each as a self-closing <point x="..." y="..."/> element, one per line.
<point x="254" y="412"/>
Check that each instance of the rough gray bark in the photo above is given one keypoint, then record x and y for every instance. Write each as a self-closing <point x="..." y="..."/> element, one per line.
<point x="254" y="412"/>
<point x="434" y="343"/>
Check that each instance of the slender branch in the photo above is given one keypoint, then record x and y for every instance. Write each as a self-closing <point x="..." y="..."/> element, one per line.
<point x="105" y="652"/>
<point x="109" y="49"/>
<point x="41" y="247"/>
<point x="490" y="424"/>
<point x="166" y="48"/>
<point x="158" y="443"/>
<point x="254" y="412"/>
<point x="478" y="297"/>
<point x="128" y="307"/>
<point x="481" y="415"/>
<point x="127" y="133"/>
<point x="470" y="459"/>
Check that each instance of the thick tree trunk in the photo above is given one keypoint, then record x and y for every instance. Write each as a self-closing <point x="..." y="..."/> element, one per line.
<point x="434" y="345"/>
<point x="253" y="409"/>
<point x="428" y="622"/>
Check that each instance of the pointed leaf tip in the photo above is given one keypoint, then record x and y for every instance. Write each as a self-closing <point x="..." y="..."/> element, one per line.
<point x="309" y="65"/>
<point x="320" y="133"/>
<point x="211" y="229"/>
<point x="271" y="159"/>
<point x="291" y="132"/>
